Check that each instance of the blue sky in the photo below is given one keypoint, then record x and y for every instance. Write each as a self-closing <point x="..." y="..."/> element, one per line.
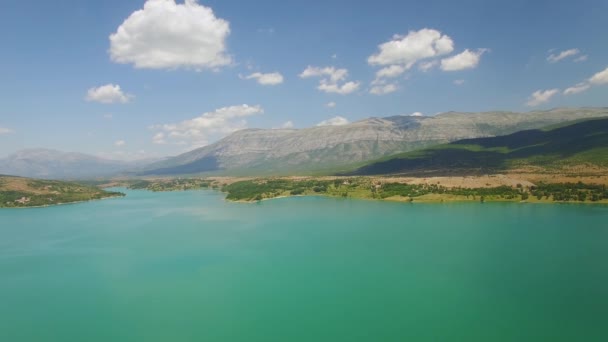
<point x="180" y="75"/>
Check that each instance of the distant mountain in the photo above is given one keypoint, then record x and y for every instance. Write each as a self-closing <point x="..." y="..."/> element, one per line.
<point x="52" y="164"/>
<point x="582" y="144"/>
<point x="328" y="149"/>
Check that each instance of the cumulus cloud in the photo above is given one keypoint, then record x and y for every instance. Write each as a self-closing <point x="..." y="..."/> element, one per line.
<point x="458" y="82"/>
<point x="581" y="58"/>
<point x="335" y="121"/>
<point x="287" y="124"/>
<point x="390" y="71"/>
<point x="335" y="88"/>
<point x="331" y="79"/>
<point x="109" y="93"/>
<point x="330" y="104"/>
<point x="411" y="48"/>
<point x="334" y="75"/>
<point x="383" y="89"/>
<point x="579" y="88"/>
<point x="199" y="131"/>
<point x="553" y="58"/>
<point x="159" y="138"/>
<point x="426" y="66"/>
<point x="465" y="60"/>
<point x="165" y="34"/>
<point x="425" y="48"/>
<point x="600" y="78"/>
<point x="4" y="130"/>
<point x="418" y="114"/>
<point x="119" y="143"/>
<point x="541" y="96"/>
<point x="273" y="78"/>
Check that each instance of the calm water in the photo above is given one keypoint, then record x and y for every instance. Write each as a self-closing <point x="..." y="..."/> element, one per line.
<point x="190" y="267"/>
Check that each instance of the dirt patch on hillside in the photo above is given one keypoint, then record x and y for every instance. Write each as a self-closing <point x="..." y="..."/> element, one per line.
<point x="469" y="182"/>
<point x="20" y="184"/>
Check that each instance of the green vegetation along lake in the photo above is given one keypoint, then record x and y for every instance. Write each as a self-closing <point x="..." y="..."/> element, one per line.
<point x="191" y="266"/>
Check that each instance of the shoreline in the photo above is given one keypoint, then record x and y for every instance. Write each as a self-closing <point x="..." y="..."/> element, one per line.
<point x="493" y="188"/>
<point x="498" y="188"/>
<point x="59" y="204"/>
<point x="424" y="201"/>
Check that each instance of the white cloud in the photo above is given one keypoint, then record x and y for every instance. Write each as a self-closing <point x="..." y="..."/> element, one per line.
<point x="168" y="35"/>
<point x="109" y="93"/>
<point x="331" y="104"/>
<point x="335" y="75"/>
<point x="458" y="82"/>
<point x="335" y="121"/>
<point x="424" y="47"/>
<point x="600" y="78"/>
<point x="390" y="71"/>
<point x="119" y="143"/>
<point x="465" y="60"/>
<point x="159" y="138"/>
<point x="426" y="66"/>
<point x="383" y="89"/>
<point x="4" y="130"/>
<point x="287" y="124"/>
<point x="330" y="79"/>
<point x="418" y="114"/>
<point x="541" y="96"/>
<point x="343" y="89"/>
<point x="581" y="58"/>
<point x="199" y="131"/>
<point x="273" y="78"/>
<point x="409" y="49"/>
<point x="553" y="58"/>
<point x="579" y="88"/>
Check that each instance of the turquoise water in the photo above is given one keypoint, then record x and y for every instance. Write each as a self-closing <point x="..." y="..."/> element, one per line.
<point x="187" y="266"/>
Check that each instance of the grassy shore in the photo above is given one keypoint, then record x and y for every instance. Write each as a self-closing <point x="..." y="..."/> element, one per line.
<point x="488" y="188"/>
<point x="415" y="190"/>
<point x="17" y="192"/>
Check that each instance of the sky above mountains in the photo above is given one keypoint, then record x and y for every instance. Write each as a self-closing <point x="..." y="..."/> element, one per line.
<point x="137" y="79"/>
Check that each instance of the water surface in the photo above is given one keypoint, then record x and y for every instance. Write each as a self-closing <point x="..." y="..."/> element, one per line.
<point x="188" y="266"/>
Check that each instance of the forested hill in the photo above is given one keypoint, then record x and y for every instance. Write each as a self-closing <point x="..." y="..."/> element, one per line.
<point x="580" y="143"/>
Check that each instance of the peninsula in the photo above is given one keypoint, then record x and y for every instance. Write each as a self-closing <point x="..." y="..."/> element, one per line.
<point x="19" y="192"/>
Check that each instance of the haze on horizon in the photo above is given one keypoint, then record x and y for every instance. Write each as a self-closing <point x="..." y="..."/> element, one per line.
<point x="144" y="79"/>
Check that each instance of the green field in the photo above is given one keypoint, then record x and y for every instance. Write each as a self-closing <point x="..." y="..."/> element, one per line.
<point x="366" y="188"/>
<point x="27" y="192"/>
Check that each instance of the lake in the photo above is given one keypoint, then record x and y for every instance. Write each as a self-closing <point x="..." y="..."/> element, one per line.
<point x="188" y="266"/>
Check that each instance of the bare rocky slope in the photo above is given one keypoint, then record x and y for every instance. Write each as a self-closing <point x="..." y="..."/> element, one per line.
<point x="333" y="148"/>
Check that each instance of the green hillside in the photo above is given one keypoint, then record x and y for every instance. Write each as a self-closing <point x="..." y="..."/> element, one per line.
<point x="579" y="143"/>
<point x="28" y="192"/>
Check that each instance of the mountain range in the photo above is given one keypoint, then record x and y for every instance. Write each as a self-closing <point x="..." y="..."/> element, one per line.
<point x="314" y="150"/>
<point x="53" y="164"/>
<point x="330" y="149"/>
<point x="581" y="146"/>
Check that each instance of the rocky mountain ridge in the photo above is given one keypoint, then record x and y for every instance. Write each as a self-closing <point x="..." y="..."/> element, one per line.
<point x="315" y="149"/>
